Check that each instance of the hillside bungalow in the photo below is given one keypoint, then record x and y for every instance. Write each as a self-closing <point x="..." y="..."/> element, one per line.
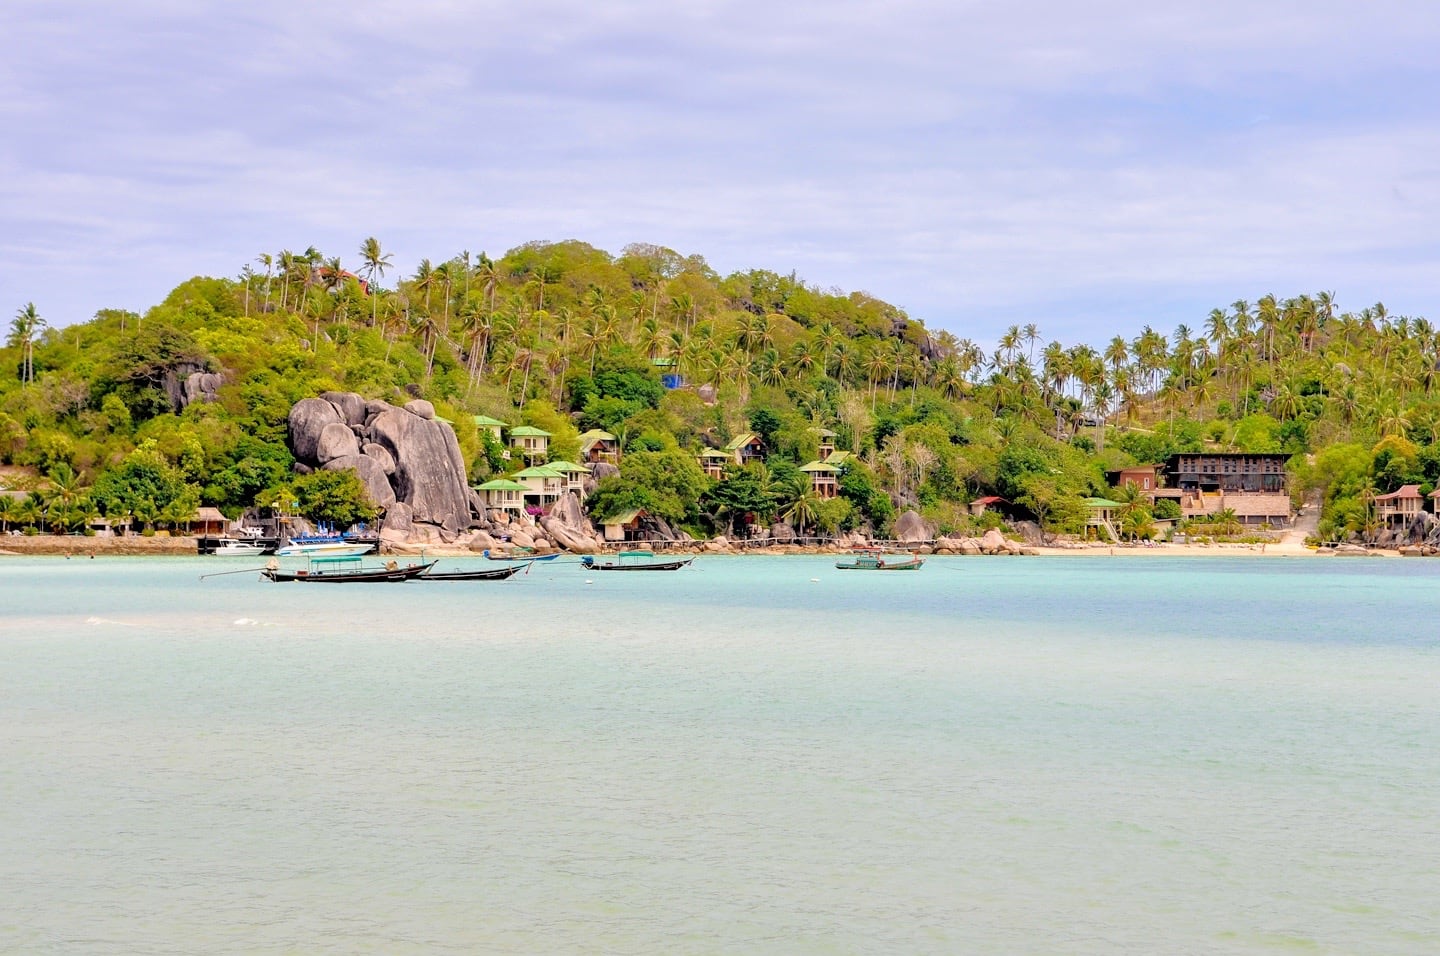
<point x="824" y="478"/>
<point x="1100" y="515"/>
<point x="597" y="445"/>
<point x="713" y="461"/>
<point x="206" y="521"/>
<point x="543" y="484"/>
<point x="839" y="458"/>
<point x="502" y="494"/>
<point x="494" y="426"/>
<point x="1401" y="506"/>
<point x="531" y="442"/>
<point x="827" y="442"/>
<point x="987" y="503"/>
<point x="622" y="527"/>
<point x="574" y="474"/>
<point x="746" y="447"/>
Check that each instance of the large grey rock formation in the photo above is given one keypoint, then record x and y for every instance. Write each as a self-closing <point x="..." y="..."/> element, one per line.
<point x="336" y="441"/>
<point x="910" y="527"/>
<point x="201" y="387"/>
<point x="410" y="463"/>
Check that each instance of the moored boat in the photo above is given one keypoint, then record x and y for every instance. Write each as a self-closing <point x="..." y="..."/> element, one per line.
<point x="330" y="547"/>
<point x="481" y="574"/>
<point x="634" y="561"/>
<point x="236" y="546"/>
<point x="876" y="560"/>
<point x="519" y="554"/>
<point x="344" y="569"/>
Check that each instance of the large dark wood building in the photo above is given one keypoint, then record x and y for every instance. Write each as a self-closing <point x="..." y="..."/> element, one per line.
<point x="1253" y="486"/>
<point x="1227" y="472"/>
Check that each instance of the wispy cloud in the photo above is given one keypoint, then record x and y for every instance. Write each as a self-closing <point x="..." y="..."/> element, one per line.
<point x="1086" y="167"/>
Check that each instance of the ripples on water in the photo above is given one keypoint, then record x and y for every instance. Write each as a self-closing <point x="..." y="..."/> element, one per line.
<point x="1000" y="756"/>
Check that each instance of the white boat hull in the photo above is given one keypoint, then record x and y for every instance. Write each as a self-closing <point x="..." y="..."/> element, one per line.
<point x="327" y="549"/>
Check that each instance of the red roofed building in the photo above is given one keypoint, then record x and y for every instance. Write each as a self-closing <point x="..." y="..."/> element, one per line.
<point x="1401" y="506"/>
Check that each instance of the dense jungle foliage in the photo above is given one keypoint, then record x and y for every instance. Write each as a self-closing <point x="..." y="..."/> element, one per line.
<point x="567" y="337"/>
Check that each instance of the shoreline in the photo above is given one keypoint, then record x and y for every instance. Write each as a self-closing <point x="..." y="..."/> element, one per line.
<point x="137" y="546"/>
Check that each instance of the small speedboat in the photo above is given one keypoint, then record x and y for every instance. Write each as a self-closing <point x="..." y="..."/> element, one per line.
<point x="235" y="546"/>
<point x="331" y="548"/>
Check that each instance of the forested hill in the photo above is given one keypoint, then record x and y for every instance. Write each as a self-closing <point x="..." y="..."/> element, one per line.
<point x="94" y="417"/>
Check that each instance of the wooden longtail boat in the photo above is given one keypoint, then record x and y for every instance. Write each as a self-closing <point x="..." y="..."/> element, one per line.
<point x="344" y="570"/>
<point x="484" y="574"/>
<point x="634" y="561"/>
<point x="875" y="560"/>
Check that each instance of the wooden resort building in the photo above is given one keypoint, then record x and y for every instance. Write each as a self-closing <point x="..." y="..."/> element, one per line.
<point x="824" y="478"/>
<point x="1252" y="486"/>
<point x="1400" y="507"/>
<point x="503" y="494"/>
<point x="713" y="461"/>
<point x="207" y="521"/>
<point x="1101" y="515"/>
<point x="746" y="447"/>
<point x="597" y="445"/>
<point x="532" y="443"/>
<point x="622" y="527"/>
<point x="827" y="442"/>
<point x="987" y="503"/>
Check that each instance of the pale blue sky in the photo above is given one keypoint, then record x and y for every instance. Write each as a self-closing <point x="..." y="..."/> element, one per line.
<point x="1088" y="167"/>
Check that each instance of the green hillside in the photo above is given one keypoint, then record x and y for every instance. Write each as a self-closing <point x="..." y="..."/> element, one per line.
<point x="569" y="338"/>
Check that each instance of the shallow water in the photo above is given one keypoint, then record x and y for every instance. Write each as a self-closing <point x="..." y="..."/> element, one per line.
<point x="1089" y="755"/>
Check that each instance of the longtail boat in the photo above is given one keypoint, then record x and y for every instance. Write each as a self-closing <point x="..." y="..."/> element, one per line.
<point x="634" y="561"/>
<point x="878" y="560"/>
<point x="345" y="569"/>
<point x="483" y="574"/>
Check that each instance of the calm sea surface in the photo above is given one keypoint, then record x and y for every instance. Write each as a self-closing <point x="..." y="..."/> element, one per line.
<point x="758" y="755"/>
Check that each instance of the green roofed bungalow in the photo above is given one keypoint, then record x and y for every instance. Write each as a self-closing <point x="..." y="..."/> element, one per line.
<point x="503" y="494"/>
<point x="533" y="442"/>
<point x="542" y="482"/>
<point x="574" y="475"/>
<point x="492" y="425"/>
<point x="827" y="442"/>
<point x="1102" y="516"/>
<point x="838" y="458"/>
<point x="623" y="526"/>
<point x="597" y="445"/>
<point x="746" y="447"/>
<point x="712" y="461"/>
<point x="824" y="478"/>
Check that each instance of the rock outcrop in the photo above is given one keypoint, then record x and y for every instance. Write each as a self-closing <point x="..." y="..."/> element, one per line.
<point x="410" y="463"/>
<point x="911" y="528"/>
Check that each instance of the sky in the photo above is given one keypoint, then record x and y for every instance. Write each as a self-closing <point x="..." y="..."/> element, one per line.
<point x="1090" y="168"/>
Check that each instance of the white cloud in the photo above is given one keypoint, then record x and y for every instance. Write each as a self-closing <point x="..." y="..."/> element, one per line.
<point x="971" y="161"/>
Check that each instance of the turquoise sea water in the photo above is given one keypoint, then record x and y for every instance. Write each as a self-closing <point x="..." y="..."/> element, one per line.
<point x="757" y="755"/>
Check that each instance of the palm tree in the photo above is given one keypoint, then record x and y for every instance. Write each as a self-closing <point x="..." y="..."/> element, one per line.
<point x="268" y="261"/>
<point x="23" y="329"/>
<point x="376" y="262"/>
